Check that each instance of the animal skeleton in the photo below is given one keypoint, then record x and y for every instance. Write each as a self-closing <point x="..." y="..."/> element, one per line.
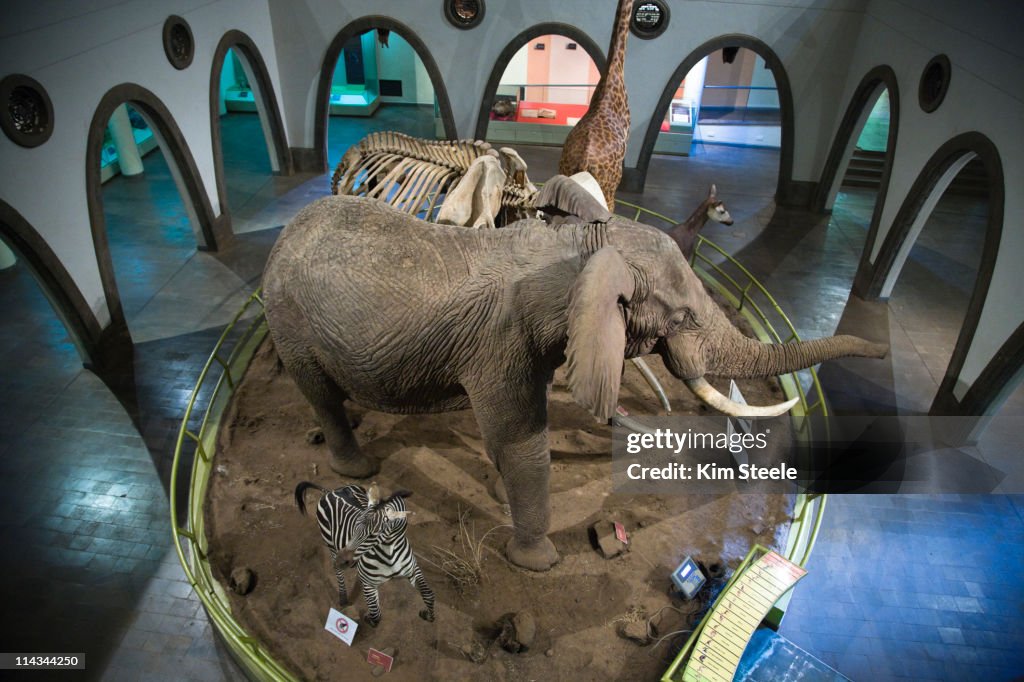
<point x="413" y="174"/>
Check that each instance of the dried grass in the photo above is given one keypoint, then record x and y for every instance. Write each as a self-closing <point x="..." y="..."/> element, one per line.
<point x="463" y="566"/>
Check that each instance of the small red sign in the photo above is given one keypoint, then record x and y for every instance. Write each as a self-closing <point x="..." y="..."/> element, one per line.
<point x="380" y="658"/>
<point x="620" y="533"/>
<point x="342" y="625"/>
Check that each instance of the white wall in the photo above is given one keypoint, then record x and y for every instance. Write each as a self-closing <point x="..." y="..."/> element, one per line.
<point x="569" y="67"/>
<point x="515" y="72"/>
<point x="78" y="52"/>
<point x="813" y="38"/>
<point x="986" y="94"/>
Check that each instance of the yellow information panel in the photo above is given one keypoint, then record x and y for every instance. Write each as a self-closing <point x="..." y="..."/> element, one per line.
<point x="736" y="615"/>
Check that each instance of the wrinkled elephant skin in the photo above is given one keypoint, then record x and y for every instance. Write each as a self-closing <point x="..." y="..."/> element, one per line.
<point x="367" y="303"/>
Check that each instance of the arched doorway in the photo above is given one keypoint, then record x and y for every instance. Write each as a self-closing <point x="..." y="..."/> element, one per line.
<point x="29" y="256"/>
<point x="244" y="112"/>
<point x="855" y="179"/>
<point x="372" y="63"/>
<point x="751" y="88"/>
<point x="938" y="257"/>
<point x="180" y="219"/>
<point x="553" y="67"/>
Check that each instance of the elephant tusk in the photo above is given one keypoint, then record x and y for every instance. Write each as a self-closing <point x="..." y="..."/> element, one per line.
<point x="710" y="395"/>
<point x="653" y="382"/>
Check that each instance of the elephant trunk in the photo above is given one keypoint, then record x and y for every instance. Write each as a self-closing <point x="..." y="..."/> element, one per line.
<point x="738" y="356"/>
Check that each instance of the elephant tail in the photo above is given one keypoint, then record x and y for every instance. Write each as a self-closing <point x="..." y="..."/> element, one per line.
<point x="300" y="494"/>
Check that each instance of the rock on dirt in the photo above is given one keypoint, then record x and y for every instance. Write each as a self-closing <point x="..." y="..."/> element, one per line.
<point x="242" y="580"/>
<point x="475" y="652"/>
<point x="517" y="631"/>
<point x="602" y="536"/>
<point x="378" y="670"/>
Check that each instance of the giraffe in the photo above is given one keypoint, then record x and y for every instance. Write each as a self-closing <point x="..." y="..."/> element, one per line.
<point x="597" y="144"/>
<point x="685" y="233"/>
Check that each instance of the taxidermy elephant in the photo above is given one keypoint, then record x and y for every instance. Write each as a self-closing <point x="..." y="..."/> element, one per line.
<point x="368" y="303"/>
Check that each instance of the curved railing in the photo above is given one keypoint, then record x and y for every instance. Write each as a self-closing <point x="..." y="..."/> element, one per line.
<point x="234" y="350"/>
<point x="224" y="369"/>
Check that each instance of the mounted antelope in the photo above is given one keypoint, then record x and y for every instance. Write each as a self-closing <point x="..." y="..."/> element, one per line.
<point x="685" y="234"/>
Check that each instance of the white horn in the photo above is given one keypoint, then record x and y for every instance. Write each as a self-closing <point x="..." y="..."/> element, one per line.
<point x="653" y="382"/>
<point x="710" y="395"/>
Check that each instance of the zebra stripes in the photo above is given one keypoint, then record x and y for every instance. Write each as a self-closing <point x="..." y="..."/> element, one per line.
<point x="358" y="527"/>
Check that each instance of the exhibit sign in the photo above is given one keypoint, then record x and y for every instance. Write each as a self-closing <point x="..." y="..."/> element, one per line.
<point x="735" y="616"/>
<point x="375" y="657"/>
<point x="341" y="626"/>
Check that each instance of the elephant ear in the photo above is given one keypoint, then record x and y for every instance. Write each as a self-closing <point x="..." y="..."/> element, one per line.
<point x="597" y="332"/>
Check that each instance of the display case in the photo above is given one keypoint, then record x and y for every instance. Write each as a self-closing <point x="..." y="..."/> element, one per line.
<point x="537" y="113"/>
<point x="676" y="134"/>
<point x="544" y="113"/>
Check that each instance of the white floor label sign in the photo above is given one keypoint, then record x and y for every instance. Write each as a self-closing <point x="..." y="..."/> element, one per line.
<point x="341" y="626"/>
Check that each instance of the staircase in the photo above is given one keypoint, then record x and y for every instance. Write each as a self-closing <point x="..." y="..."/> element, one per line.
<point x="865" y="170"/>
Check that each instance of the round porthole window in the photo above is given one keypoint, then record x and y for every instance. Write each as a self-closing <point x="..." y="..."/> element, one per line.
<point x="934" y="83"/>
<point x="464" y="13"/>
<point x="650" y="19"/>
<point x="26" y="115"/>
<point x="178" y="42"/>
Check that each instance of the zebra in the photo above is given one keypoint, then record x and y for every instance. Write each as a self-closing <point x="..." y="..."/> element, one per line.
<point x="362" y="529"/>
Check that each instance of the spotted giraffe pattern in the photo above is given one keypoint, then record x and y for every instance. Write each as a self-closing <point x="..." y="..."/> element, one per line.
<point x="597" y="144"/>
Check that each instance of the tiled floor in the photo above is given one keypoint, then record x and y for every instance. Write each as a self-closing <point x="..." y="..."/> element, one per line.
<point x="911" y="587"/>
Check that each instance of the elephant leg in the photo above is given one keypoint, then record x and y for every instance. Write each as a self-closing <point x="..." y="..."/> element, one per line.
<point x="500" y="491"/>
<point x="514" y="426"/>
<point x="328" y="401"/>
<point x="347" y="458"/>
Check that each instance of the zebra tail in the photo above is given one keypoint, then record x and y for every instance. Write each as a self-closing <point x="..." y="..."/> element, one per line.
<point x="300" y="492"/>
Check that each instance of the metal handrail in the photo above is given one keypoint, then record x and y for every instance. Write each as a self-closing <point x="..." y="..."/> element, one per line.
<point x="249" y="653"/>
<point x="246" y="650"/>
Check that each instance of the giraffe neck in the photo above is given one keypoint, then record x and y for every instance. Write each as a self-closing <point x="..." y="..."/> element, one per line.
<point x="611" y="91"/>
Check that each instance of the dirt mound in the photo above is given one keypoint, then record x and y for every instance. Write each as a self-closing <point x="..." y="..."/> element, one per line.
<point x="577" y="607"/>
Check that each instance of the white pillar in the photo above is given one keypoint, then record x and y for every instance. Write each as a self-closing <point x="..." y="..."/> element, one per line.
<point x="693" y="86"/>
<point x="7" y="258"/>
<point x="128" y="158"/>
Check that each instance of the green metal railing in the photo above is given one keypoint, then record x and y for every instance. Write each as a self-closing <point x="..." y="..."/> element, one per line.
<point x="235" y="348"/>
<point x="224" y="369"/>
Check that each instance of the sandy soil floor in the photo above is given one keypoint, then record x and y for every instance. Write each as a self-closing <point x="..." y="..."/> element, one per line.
<point x="578" y="606"/>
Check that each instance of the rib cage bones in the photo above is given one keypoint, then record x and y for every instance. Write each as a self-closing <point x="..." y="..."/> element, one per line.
<point x="413" y="174"/>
